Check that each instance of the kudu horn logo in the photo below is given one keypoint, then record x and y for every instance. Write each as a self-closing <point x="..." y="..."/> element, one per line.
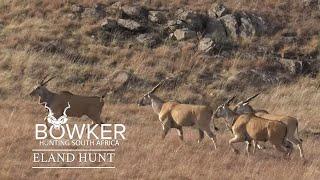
<point x="53" y="120"/>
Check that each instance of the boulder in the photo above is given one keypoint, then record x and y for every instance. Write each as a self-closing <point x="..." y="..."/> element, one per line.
<point x="109" y="24"/>
<point x="183" y="34"/>
<point x="149" y="40"/>
<point x="206" y="45"/>
<point x="134" y="11"/>
<point x="192" y="20"/>
<point x="215" y="30"/>
<point x="251" y="25"/>
<point x="231" y="24"/>
<point x="156" y="16"/>
<point x="217" y="10"/>
<point x="130" y="24"/>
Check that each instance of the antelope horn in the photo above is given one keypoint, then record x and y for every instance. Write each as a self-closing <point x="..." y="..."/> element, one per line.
<point x="229" y="100"/>
<point x="250" y="98"/>
<point x="157" y="86"/>
<point x="44" y="83"/>
<point x="41" y="82"/>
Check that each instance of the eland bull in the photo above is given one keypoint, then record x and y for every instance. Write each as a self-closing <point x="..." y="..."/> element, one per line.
<point x="173" y="114"/>
<point x="90" y="106"/>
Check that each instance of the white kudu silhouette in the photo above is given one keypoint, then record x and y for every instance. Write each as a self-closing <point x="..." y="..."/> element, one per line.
<point x="53" y="120"/>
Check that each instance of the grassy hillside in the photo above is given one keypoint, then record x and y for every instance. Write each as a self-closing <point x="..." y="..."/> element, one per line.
<point x="66" y="39"/>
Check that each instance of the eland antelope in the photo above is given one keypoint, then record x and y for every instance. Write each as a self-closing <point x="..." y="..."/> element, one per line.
<point x="291" y="122"/>
<point x="90" y="106"/>
<point x="250" y="128"/>
<point x="176" y="115"/>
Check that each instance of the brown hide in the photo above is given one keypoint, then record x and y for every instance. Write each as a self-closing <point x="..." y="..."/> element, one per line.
<point x="80" y="105"/>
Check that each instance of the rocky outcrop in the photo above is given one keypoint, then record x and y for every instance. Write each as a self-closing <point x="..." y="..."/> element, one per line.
<point x="216" y="28"/>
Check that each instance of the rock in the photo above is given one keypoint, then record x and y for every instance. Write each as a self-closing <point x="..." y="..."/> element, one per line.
<point x="183" y="34"/>
<point x="193" y="20"/>
<point x="130" y="24"/>
<point x="134" y="11"/>
<point x="176" y="24"/>
<point x="120" y="78"/>
<point x="251" y="25"/>
<point x="247" y="30"/>
<point x="295" y="66"/>
<point x="76" y="8"/>
<point x="215" y="30"/>
<point x="97" y="12"/>
<point x="109" y="24"/>
<point x="245" y="25"/>
<point x="149" y="40"/>
<point x="206" y="45"/>
<point x="217" y="10"/>
<point x="156" y="16"/>
<point x="231" y="24"/>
